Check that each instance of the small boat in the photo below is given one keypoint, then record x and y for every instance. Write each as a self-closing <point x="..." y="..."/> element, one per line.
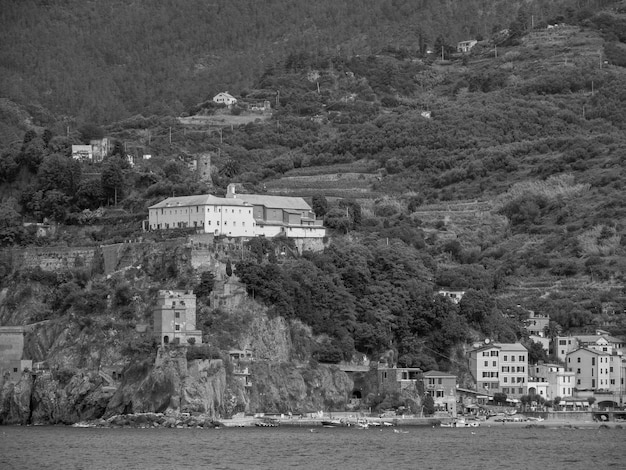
<point x="331" y="423"/>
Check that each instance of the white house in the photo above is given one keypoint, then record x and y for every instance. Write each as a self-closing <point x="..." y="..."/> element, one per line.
<point x="238" y="215"/>
<point x="466" y="46"/>
<point x="225" y="98"/>
<point x="82" y="152"/>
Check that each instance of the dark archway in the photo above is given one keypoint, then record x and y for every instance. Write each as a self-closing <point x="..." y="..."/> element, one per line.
<point x="166" y="339"/>
<point x="356" y="394"/>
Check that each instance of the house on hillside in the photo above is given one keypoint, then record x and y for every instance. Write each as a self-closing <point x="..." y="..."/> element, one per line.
<point x="225" y="98"/>
<point x="101" y="148"/>
<point x="454" y="295"/>
<point x="83" y="153"/>
<point x="466" y="46"/>
<point x="280" y="215"/>
<point x="206" y="213"/>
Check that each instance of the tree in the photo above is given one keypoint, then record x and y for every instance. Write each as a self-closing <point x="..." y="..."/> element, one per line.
<point x="536" y="352"/>
<point x="428" y="405"/>
<point x="499" y="398"/>
<point x="206" y="284"/>
<point x="112" y="180"/>
<point x="320" y="205"/>
<point x="556" y="402"/>
<point x="229" y="268"/>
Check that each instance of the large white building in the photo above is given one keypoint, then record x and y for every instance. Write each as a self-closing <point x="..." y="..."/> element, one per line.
<point x="238" y="215"/>
<point x="211" y="214"/>
<point x="501" y="367"/>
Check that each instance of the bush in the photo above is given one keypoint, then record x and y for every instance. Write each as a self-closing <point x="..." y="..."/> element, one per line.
<point x="203" y="352"/>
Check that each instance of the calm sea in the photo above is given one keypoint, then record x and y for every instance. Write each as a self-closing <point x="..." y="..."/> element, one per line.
<point x="326" y="448"/>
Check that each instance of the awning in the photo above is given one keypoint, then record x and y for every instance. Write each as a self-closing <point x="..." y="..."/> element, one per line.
<point x="485" y="397"/>
<point x="580" y="403"/>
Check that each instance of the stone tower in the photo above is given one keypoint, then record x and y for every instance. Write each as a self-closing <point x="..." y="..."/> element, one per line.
<point x="203" y="167"/>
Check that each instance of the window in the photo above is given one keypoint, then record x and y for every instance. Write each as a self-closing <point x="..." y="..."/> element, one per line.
<point x="177" y="327"/>
<point x="234" y="224"/>
<point x="506" y="358"/>
<point x="505" y="380"/>
<point x="578" y="359"/>
<point x="485" y="353"/>
<point x="522" y="359"/>
<point x="562" y="342"/>
<point x="439" y="381"/>
<point x="593" y="383"/>
<point x="15" y="369"/>
<point x="593" y="361"/>
<point x="495" y="364"/>
<point x="225" y="222"/>
<point x="439" y="393"/>
<point x="578" y="371"/>
<point x="494" y="353"/>
<point x="486" y="363"/>
<point x="177" y="315"/>
<point x="209" y="222"/>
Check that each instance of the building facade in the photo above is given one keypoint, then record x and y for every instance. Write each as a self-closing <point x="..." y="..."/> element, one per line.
<point x="500" y="368"/>
<point x="442" y="387"/>
<point x="225" y="98"/>
<point x="599" y="342"/>
<point x="396" y="379"/>
<point x="207" y="213"/>
<point x="175" y="317"/>
<point x="12" y="362"/>
<point x="559" y="382"/>
<point x="238" y="215"/>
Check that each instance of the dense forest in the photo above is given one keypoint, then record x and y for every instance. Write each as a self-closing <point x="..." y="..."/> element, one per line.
<point x="499" y="172"/>
<point x="102" y="61"/>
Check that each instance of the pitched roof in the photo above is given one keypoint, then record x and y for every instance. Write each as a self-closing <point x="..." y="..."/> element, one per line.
<point x="200" y="200"/>
<point x="512" y="346"/>
<point x="275" y="202"/>
<point x="595" y="338"/>
<point x="434" y="373"/>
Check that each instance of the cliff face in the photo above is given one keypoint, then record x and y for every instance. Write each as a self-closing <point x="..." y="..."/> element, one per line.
<point x="281" y="388"/>
<point x="171" y="384"/>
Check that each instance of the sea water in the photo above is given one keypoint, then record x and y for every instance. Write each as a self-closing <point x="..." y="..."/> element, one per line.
<point x="485" y="447"/>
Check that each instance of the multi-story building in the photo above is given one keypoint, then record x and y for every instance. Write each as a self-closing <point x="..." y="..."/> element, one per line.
<point x="552" y="379"/>
<point x="500" y="367"/>
<point x="536" y="324"/>
<point x="12" y="363"/>
<point x="396" y="379"/>
<point x="598" y="342"/>
<point x="238" y="215"/>
<point x="442" y="387"/>
<point x="175" y="317"/>
<point x="280" y="215"/>
<point x="210" y="214"/>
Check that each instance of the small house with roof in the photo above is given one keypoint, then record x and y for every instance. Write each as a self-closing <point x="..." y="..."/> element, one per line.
<point x="454" y="295"/>
<point x="441" y="386"/>
<point x="466" y="46"/>
<point x="175" y="318"/>
<point x="396" y="379"/>
<point x="225" y="98"/>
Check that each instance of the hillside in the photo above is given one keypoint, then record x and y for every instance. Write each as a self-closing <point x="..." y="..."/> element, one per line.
<point x="498" y="172"/>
